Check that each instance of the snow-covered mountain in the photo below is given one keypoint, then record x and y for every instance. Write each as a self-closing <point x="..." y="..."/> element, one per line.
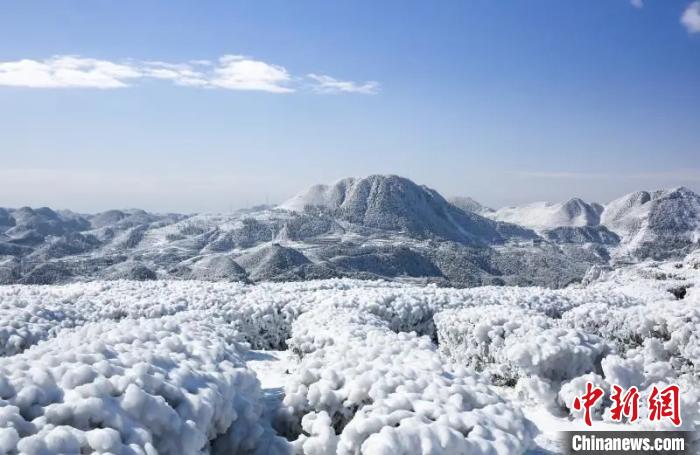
<point x="469" y="204"/>
<point x="289" y="362"/>
<point x="547" y="215"/>
<point x="625" y="214"/>
<point x="374" y="227"/>
<point x="395" y="203"/>
<point x="662" y="224"/>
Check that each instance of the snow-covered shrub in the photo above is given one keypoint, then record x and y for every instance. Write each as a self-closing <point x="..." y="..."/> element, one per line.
<point x="550" y="302"/>
<point x="438" y="415"/>
<point x="319" y="328"/>
<point x="262" y="313"/>
<point x="321" y="439"/>
<point x="349" y="362"/>
<point x="479" y="337"/>
<point x="262" y="324"/>
<point x="403" y="311"/>
<point x="646" y="367"/>
<point x="626" y="328"/>
<point x="649" y="281"/>
<point x="168" y="385"/>
<point x="29" y="314"/>
<point x="378" y="390"/>
<point x="675" y="324"/>
<point x="409" y="308"/>
<point x="692" y="260"/>
<point x="557" y="354"/>
<point x="23" y="324"/>
<point x="509" y="343"/>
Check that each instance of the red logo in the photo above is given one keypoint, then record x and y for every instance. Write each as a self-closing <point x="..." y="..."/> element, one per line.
<point x="663" y="404"/>
<point x="625" y="405"/>
<point x="588" y="400"/>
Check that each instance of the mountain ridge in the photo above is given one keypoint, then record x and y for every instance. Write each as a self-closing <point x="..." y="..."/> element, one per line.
<point x="377" y="227"/>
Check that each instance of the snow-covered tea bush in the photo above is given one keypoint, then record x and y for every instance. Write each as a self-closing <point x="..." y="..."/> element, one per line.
<point x="674" y="324"/>
<point x="509" y="343"/>
<point x="262" y="313"/>
<point x="558" y="354"/>
<point x="318" y="328"/>
<point x="160" y="367"/>
<point x="481" y="337"/>
<point x="376" y="391"/>
<point x="168" y="385"/>
<point x="23" y="324"/>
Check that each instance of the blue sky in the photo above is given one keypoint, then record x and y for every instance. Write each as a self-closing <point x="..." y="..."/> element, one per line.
<point x="209" y="106"/>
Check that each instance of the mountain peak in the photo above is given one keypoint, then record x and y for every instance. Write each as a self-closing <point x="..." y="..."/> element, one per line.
<point x="547" y="215"/>
<point x="469" y="204"/>
<point x="657" y="225"/>
<point x="390" y="202"/>
<point x="334" y="195"/>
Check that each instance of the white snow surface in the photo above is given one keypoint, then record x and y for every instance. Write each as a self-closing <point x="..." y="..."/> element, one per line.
<point x="548" y="215"/>
<point x="327" y="196"/>
<point x="338" y="366"/>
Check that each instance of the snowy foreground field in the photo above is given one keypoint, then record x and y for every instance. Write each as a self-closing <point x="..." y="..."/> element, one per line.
<point x="337" y="366"/>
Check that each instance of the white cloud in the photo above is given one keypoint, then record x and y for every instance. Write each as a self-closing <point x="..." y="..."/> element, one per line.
<point x="327" y="84"/>
<point x="67" y="71"/>
<point x="691" y="17"/>
<point x="239" y="73"/>
<point x="178" y="73"/>
<point x="229" y="72"/>
<point x="637" y="3"/>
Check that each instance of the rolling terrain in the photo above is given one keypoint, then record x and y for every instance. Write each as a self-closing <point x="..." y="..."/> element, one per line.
<point x="367" y="228"/>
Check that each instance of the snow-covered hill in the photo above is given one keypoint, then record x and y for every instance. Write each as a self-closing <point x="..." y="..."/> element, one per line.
<point x="395" y="203"/>
<point x="547" y="215"/>
<point x="659" y="225"/>
<point x="114" y="361"/>
<point x="374" y="227"/>
<point x="469" y="204"/>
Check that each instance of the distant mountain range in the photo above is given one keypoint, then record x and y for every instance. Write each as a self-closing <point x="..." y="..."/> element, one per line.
<point x="658" y="225"/>
<point x="375" y="227"/>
